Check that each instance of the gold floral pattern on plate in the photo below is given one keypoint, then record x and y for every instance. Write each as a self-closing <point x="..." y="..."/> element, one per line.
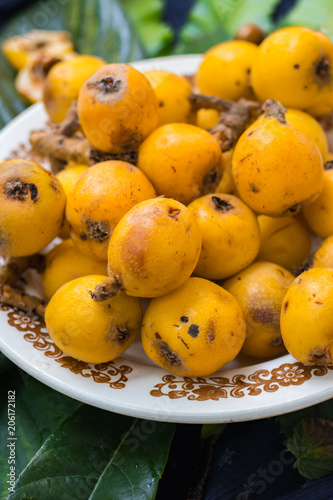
<point x="204" y="389"/>
<point x="36" y="333"/>
<point x="192" y="388"/>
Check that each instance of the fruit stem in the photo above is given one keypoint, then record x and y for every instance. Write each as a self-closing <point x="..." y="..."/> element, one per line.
<point x="14" y="267"/>
<point x="23" y="301"/>
<point x="234" y="117"/>
<point x="60" y="150"/>
<point x="274" y="109"/>
<point x="107" y="289"/>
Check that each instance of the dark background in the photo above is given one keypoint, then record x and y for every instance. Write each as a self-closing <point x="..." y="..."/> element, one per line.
<point x="175" y="10"/>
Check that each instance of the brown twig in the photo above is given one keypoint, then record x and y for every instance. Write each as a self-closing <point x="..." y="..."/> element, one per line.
<point x="235" y="117"/>
<point x="71" y="123"/>
<point x="107" y="289"/>
<point x="65" y="142"/>
<point x="61" y="150"/>
<point x="13" y="267"/>
<point x="199" y="101"/>
<point x="23" y="301"/>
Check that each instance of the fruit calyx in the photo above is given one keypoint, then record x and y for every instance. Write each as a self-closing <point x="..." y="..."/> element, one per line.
<point x="323" y="73"/>
<point x="107" y="289"/>
<point x="274" y="109"/>
<point x="107" y="84"/>
<point x="221" y="205"/>
<point x="19" y="190"/>
<point x="328" y="165"/>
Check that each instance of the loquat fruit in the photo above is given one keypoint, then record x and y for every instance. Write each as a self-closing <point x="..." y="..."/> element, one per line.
<point x="230" y="235"/>
<point x="172" y="92"/>
<point x="117" y="108"/>
<point x="194" y="330"/>
<point x="276" y="168"/>
<point x="90" y="331"/>
<point x="310" y="127"/>
<point x="319" y="214"/>
<point x="260" y="290"/>
<point x="284" y="240"/>
<point x="294" y="66"/>
<point x="225" y="70"/>
<point x="32" y="207"/>
<point x="306" y="313"/>
<point x="64" y="81"/>
<point x="153" y="250"/>
<point x="68" y="178"/>
<point x="21" y="49"/>
<point x="182" y="161"/>
<point x="64" y="263"/>
<point x="99" y="199"/>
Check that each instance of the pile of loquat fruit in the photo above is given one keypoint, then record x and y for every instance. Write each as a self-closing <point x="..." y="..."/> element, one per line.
<point x="202" y="194"/>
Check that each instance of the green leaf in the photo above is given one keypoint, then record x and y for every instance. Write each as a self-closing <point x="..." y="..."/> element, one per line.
<point x="147" y="20"/>
<point x="11" y="103"/>
<point x="312" y="444"/>
<point x="290" y="420"/>
<point x="211" y="22"/>
<point x="98" y="27"/>
<point x="206" y="26"/>
<point x="316" y="15"/>
<point x="95" y="455"/>
<point x="208" y="430"/>
<point x="38" y="412"/>
<point x="253" y="11"/>
<point x="5" y="363"/>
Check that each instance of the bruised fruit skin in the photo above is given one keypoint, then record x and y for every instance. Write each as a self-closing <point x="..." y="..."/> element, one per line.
<point x="225" y="70"/>
<point x="64" y="81"/>
<point x="182" y="161"/>
<point x="306" y="317"/>
<point x="65" y="263"/>
<point x="153" y="249"/>
<point x="276" y="168"/>
<point x="194" y="330"/>
<point x="117" y="108"/>
<point x="68" y="178"/>
<point x="310" y="127"/>
<point x="172" y="92"/>
<point x="260" y="290"/>
<point x="319" y="214"/>
<point x="32" y="207"/>
<point x="284" y="240"/>
<point x="323" y="257"/>
<point x="22" y="49"/>
<point x="99" y="199"/>
<point x="230" y="235"/>
<point x="294" y="66"/>
<point x="87" y="330"/>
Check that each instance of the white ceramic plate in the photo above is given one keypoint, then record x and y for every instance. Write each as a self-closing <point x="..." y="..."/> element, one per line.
<point x="244" y="390"/>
